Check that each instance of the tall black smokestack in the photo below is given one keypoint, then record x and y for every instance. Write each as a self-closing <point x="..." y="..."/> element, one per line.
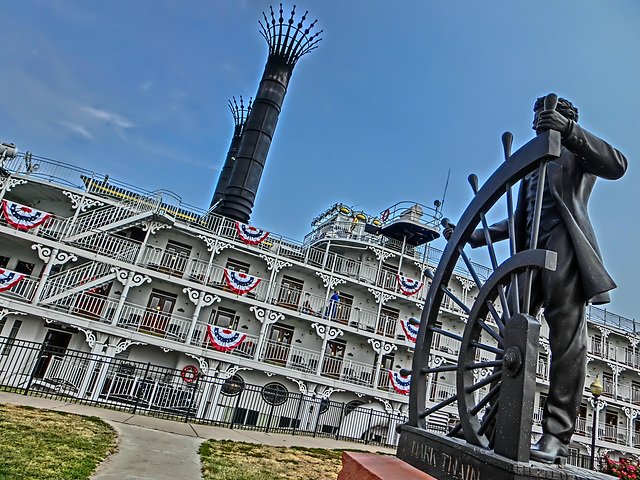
<point x="287" y="43"/>
<point x="240" y="114"/>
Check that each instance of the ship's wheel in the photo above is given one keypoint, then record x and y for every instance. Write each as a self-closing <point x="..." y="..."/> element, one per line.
<point x="487" y="355"/>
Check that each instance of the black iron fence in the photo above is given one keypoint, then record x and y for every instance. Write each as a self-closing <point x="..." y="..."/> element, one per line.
<point x="39" y="369"/>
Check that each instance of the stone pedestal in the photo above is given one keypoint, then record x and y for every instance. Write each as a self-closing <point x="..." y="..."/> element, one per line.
<point x="451" y="459"/>
<point x="368" y="466"/>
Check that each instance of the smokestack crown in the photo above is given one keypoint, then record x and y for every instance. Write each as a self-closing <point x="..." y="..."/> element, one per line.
<point x="288" y="41"/>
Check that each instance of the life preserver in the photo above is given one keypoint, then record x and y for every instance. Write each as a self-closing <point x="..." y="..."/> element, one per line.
<point x="189" y="373"/>
<point x="385" y="215"/>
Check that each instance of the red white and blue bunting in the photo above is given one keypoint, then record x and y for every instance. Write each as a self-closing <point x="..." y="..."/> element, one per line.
<point x="411" y="331"/>
<point x="251" y="235"/>
<point x="240" y="282"/>
<point x="409" y="286"/>
<point x="400" y="384"/>
<point x="224" y="339"/>
<point x="9" y="278"/>
<point x="21" y="216"/>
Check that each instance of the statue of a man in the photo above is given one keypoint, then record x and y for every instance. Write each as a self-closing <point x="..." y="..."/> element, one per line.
<point x="580" y="276"/>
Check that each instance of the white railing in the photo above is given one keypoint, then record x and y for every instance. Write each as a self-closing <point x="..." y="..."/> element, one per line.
<point x="103" y="216"/>
<point x="74" y="277"/>
<point x="441" y="391"/>
<point x="66" y="372"/>
<point x="542" y="370"/>
<point x="25" y="288"/>
<point x="112" y="246"/>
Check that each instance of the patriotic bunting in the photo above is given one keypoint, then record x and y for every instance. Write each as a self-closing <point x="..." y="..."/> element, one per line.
<point x="400" y="384"/>
<point x="251" y="235"/>
<point x="21" y="216"/>
<point x="240" y="282"/>
<point x="411" y="331"/>
<point x="408" y="286"/>
<point x="224" y="339"/>
<point x="9" y="278"/>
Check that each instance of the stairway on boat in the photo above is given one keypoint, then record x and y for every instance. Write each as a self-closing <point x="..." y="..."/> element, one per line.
<point x="87" y="276"/>
<point x="109" y="218"/>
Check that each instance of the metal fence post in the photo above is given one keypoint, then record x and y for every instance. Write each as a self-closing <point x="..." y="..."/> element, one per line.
<point x="235" y="409"/>
<point x="273" y="406"/>
<point x="43" y="349"/>
<point x="139" y="394"/>
<point x="297" y="418"/>
<point x="340" y="421"/>
<point x="195" y="392"/>
<point x="315" y="428"/>
<point x="369" y="427"/>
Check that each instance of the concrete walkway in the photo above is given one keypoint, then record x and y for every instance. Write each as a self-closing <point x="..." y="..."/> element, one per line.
<point x="154" y="448"/>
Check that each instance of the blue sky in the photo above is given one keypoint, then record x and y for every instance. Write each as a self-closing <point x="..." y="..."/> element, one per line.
<point x="396" y="94"/>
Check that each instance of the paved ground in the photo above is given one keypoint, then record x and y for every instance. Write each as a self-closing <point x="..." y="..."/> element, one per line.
<point x="154" y="448"/>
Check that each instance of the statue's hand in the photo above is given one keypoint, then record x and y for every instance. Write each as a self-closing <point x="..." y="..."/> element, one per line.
<point x="552" y="120"/>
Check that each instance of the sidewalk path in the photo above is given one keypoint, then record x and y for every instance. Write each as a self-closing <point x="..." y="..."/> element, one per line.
<point x="155" y="448"/>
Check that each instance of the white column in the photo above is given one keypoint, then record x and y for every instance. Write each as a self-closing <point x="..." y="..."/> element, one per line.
<point x="326" y="333"/>
<point x="266" y="318"/>
<point x="381" y="348"/>
<point x="201" y="299"/>
<point x="127" y="279"/>
<point x="52" y="256"/>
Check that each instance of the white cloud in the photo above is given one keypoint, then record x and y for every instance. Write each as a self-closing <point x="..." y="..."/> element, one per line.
<point x="109" y="117"/>
<point x="79" y="129"/>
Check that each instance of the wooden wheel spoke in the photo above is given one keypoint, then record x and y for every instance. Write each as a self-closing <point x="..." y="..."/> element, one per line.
<point x="488" y="418"/>
<point x="437" y="407"/>
<point x="474" y="366"/>
<point x="448" y="368"/>
<point x="482" y="383"/>
<point x="490" y="331"/>
<point x="488" y="348"/>
<point x="455" y="430"/>
<point x="486" y="399"/>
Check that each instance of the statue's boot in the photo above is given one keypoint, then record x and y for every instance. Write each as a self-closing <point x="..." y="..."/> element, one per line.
<point x="550" y="449"/>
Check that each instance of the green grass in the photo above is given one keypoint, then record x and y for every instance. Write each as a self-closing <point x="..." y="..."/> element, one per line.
<point x="228" y="460"/>
<point x="44" y="444"/>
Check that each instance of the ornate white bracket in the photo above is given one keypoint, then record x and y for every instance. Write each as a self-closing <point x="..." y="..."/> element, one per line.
<point x="214" y="245"/>
<point x="207" y="298"/>
<point x="383" y="348"/>
<point x="84" y="203"/>
<point x="420" y="305"/>
<point x="5" y="311"/>
<point x="381" y="253"/>
<point x="605" y="333"/>
<point x="381" y="296"/>
<point x="329" y="391"/>
<point x="154" y="227"/>
<point x="631" y="413"/>
<point x="232" y="371"/>
<point x="204" y="365"/>
<point x="302" y="386"/>
<point x="633" y="339"/>
<point x="275" y="263"/>
<point x="266" y="316"/>
<point x="330" y="281"/>
<point x="89" y="336"/>
<point x="331" y="332"/>
<point x="467" y="284"/>
<point x="122" y="346"/>
<point x="10" y="182"/>
<point x="137" y="279"/>
<point x="45" y="254"/>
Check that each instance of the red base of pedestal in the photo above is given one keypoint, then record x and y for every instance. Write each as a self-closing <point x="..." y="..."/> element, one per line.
<point x="368" y="466"/>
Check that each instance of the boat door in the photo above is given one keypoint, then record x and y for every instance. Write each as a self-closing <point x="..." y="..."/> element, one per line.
<point x="55" y="344"/>
<point x="290" y="292"/>
<point x="386" y="364"/>
<point x="158" y="312"/>
<point x="333" y="356"/>
<point x="279" y="344"/>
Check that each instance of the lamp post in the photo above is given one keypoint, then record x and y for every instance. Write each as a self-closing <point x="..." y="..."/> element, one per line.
<point x="596" y="391"/>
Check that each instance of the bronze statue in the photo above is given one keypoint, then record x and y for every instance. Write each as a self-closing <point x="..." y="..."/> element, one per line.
<point x="580" y="276"/>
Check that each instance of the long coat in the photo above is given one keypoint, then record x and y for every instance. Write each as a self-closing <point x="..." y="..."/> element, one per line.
<point x="584" y="157"/>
